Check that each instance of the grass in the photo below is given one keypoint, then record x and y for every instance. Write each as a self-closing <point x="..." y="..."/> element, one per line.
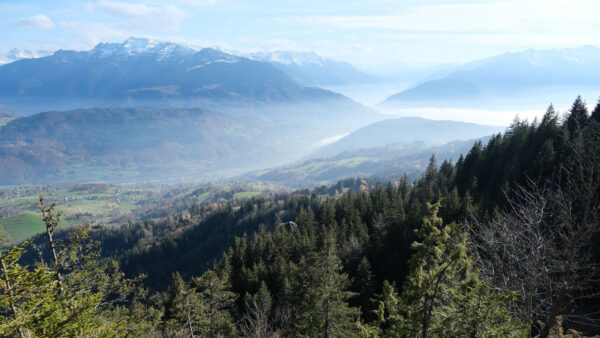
<point x="202" y="197"/>
<point x="22" y="226"/>
<point x="94" y="206"/>
<point x="245" y="194"/>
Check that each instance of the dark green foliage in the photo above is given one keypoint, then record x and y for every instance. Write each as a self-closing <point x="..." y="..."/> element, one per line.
<point x="199" y="308"/>
<point x="596" y="112"/>
<point x="320" y="286"/>
<point x="577" y="118"/>
<point x="327" y="262"/>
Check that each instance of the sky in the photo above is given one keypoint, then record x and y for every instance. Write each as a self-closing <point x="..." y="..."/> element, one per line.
<point x="376" y="35"/>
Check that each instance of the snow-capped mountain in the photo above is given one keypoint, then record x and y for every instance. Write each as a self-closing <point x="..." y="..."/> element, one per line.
<point x="133" y="47"/>
<point x="143" y="72"/>
<point x="287" y="57"/>
<point x="18" y="54"/>
<point x="311" y="69"/>
<point x="511" y="80"/>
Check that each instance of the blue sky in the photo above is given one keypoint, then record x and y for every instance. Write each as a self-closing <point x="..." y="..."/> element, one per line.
<point x="375" y="35"/>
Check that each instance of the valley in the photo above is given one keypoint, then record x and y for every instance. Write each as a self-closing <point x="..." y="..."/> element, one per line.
<point x="233" y="169"/>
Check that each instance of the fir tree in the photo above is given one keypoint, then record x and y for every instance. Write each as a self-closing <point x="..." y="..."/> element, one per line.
<point x="363" y="285"/>
<point x="577" y="118"/>
<point x="26" y="294"/>
<point x="596" y="112"/>
<point x="443" y="295"/>
<point x="323" y="309"/>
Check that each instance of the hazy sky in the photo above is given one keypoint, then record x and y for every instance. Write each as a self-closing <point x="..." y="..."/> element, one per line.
<point x="375" y="35"/>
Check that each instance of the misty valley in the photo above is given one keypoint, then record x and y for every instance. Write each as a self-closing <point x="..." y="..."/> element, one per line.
<point x="170" y="186"/>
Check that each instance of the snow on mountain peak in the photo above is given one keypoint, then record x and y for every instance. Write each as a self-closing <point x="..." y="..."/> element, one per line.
<point x="288" y="57"/>
<point x="18" y="54"/>
<point x="138" y="46"/>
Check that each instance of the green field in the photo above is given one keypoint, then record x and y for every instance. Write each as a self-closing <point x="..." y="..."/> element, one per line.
<point x="91" y="204"/>
<point x="102" y="204"/>
<point x="22" y="226"/>
<point x="245" y="194"/>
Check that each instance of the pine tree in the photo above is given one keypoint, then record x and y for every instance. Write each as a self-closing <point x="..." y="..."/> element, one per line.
<point x="322" y="310"/>
<point x="550" y="117"/>
<point x="213" y="291"/>
<point x="596" y="112"/>
<point x="363" y="284"/>
<point x="577" y="118"/>
<point x="443" y="295"/>
<point x="185" y="314"/>
<point x="26" y="294"/>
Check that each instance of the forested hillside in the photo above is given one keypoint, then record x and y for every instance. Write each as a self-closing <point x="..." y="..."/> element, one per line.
<point x="501" y="243"/>
<point x="130" y="143"/>
<point x="389" y="161"/>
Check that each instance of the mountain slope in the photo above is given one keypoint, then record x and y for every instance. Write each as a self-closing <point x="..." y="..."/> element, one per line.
<point x="407" y="130"/>
<point x="386" y="161"/>
<point x="313" y="70"/>
<point x="18" y="54"/>
<point x="142" y="72"/>
<point x="119" y="144"/>
<point x="509" y="80"/>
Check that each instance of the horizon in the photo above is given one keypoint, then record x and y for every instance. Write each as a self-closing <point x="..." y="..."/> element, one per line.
<point x="380" y="37"/>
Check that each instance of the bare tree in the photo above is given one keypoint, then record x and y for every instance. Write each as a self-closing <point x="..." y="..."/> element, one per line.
<point x="541" y="246"/>
<point x="255" y="322"/>
<point x="52" y="219"/>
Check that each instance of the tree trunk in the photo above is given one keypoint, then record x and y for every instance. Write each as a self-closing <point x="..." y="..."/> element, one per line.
<point x="11" y="296"/>
<point x="554" y="311"/>
<point x="54" y="257"/>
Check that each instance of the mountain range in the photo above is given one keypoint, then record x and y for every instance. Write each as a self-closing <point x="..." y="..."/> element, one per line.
<point x="19" y="54"/>
<point x="512" y="80"/>
<point x="165" y="109"/>
<point x="311" y="69"/>
<point x="144" y="109"/>
<point x="143" y="72"/>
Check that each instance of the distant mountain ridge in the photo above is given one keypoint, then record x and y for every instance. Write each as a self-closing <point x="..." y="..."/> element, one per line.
<point x="19" y="54"/>
<point x="386" y="161"/>
<point x="143" y="72"/>
<point x="509" y="78"/>
<point x="407" y="130"/>
<point x="313" y="70"/>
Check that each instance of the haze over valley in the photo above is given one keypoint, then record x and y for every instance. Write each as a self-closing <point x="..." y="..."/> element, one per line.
<point x="229" y="168"/>
<point x="242" y="112"/>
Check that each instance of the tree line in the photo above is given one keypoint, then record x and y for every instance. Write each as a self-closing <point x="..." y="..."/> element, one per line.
<point x="501" y="243"/>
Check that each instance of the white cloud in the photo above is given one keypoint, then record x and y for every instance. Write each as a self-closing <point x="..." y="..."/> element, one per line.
<point x="37" y="21"/>
<point x="168" y="17"/>
<point x="201" y="3"/>
<point x="440" y="31"/>
<point x="517" y="17"/>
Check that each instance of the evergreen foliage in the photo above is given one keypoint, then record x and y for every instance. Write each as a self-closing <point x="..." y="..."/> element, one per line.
<point x="327" y="262"/>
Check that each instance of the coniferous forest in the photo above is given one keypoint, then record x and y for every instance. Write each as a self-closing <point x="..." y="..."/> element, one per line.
<point x="502" y="243"/>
